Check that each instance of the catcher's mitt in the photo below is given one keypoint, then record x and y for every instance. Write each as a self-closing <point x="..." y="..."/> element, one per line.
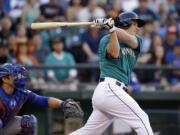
<point x="72" y="109"/>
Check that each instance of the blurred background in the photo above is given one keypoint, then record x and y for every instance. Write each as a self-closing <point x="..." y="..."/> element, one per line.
<point x="63" y="62"/>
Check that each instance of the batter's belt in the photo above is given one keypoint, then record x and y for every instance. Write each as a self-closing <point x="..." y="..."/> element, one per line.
<point x="118" y="83"/>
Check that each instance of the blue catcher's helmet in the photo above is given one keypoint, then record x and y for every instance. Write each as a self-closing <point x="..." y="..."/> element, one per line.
<point x="4" y="72"/>
<point x="6" y="69"/>
<point x="124" y="20"/>
<point x="17" y="71"/>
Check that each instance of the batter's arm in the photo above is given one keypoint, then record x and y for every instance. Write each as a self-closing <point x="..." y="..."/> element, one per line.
<point x="129" y="39"/>
<point x="113" y="48"/>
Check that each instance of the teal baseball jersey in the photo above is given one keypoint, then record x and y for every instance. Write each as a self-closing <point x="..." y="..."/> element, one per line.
<point x="121" y="67"/>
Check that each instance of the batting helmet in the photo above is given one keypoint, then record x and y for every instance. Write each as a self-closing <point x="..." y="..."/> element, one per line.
<point x="124" y="20"/>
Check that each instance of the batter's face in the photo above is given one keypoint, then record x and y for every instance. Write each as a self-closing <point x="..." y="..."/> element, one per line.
<point x="134" y="28"/>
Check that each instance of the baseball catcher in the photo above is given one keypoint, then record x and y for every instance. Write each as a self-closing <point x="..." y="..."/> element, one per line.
<point x="13" y="95"/>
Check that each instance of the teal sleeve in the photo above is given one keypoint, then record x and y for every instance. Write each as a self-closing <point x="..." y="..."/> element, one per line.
<point x="103" y="46"/>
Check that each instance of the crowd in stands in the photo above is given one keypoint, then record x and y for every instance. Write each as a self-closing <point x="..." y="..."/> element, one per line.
<point x="20" y="44"/>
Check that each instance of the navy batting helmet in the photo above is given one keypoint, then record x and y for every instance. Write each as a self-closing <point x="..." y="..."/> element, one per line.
<point x="124" y="20"/>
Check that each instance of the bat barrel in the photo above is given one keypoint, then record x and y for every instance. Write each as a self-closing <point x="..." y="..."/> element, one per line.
<point x="47" y="25"/>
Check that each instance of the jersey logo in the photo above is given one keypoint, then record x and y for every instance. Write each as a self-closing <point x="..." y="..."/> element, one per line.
<point x="129" y="51"/>
<point x="12" y="104"/>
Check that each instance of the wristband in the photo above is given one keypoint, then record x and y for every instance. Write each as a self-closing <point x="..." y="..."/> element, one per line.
<point x="61" y="103"/>
<point x="112" y="29"/>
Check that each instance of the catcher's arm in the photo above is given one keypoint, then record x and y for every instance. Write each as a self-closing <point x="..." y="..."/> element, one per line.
<point x="70" y="108"/>
<point x="54" y="102"/>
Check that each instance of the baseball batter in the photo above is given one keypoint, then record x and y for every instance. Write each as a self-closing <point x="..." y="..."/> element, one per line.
<point x="13" y="96"/>
<point x="118" y="52"/>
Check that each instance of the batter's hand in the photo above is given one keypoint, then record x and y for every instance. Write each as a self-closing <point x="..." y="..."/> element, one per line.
<point x="105" y="23"/>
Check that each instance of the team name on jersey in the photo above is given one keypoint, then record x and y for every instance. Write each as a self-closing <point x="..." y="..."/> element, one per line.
<point x="128" y="51"/>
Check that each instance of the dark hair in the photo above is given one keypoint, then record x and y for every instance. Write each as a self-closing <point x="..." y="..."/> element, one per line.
<point x="153" y="58"/>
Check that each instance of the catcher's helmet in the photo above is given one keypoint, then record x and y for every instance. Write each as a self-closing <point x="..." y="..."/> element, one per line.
<point x="124" y="20"/>
<point x="6" y="69"/>
<point x="16" y="70"/>
<point x="4" y="72"/>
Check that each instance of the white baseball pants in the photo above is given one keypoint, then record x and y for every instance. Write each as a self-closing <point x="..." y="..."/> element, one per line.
<point x="110" y="101"/>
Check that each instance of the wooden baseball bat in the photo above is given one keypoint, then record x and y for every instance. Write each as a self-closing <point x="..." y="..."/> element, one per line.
<point x="48" y="25"/>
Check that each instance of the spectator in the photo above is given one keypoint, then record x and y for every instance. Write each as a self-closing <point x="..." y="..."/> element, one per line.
<point x="4" y="55"/>
<point x="60" y="57"/>
<point x="25" y="58"/>
<point x="158" y="59"/>
<point x="39" y="52"/>
<point x="144" y="12"/>
<point x="73" y="10"/>
<point x="91" y="11"/>
<point x="171" y="20"/>
<point x="64" y="4"/>
<point x="147" y="34"/>
<point x="90" y="39"/>
<point x="147" y="14"/>
<point x="155" y="56"/>
<point x="162" y="12"/>
<point x="22" y="55"/>
<point x="30" y="12"/>
<point x="173" y="58"/>
<point x="12" y="44"/>
<point x="52" y="11"/>
<point x="2" y="7"/>
<point x="156" y="41"/>
<point x="21" y="31"/>
<point x="157" y="5"/>
<point x="16" y="7"/>
<point x="170" y="39"/>
<point x="115" y="10"/>
<point x="5" y="28"/>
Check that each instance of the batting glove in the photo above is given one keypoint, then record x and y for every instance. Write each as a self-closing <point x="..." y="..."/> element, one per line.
<point x="109" y="24"/>
<point x="105" y="23"/>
